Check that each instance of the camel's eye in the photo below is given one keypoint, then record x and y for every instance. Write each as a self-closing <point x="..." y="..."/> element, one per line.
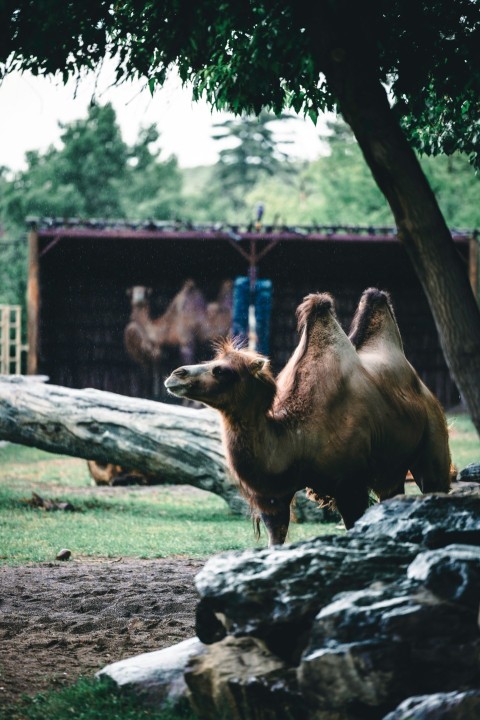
<point x="222" y="373"/>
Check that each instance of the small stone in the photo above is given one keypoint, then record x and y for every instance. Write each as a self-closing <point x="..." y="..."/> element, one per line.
<point x="64" y="554"/>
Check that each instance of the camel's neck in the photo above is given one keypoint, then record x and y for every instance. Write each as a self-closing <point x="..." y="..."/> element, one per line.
<point x="256" y="443"/>
<point x="141" y="313"/>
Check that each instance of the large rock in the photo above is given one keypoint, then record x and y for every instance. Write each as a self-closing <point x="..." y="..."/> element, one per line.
<point x="238" y="678"/>
<point x="442" y="706"/>
<point x="345" y="628"/>
<point x="156" y="677"/>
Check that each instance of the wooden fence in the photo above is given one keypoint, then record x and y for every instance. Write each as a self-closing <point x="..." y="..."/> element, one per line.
<point x="11" y="346"/>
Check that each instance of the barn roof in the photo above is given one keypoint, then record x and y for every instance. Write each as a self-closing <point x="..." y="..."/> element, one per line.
<point x="57" y="228"/>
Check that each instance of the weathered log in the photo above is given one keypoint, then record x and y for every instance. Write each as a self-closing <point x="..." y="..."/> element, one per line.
<point x="179" y="445"/>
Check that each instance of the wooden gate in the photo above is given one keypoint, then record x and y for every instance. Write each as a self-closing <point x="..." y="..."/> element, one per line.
<point x="11" y="340"/>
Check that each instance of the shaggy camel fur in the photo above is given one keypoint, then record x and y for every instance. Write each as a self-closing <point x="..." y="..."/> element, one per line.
<point x="331" y="420"/>
<point x="375" y="334"/>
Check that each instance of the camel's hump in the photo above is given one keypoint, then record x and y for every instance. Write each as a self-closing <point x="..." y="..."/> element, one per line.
<point x="314" y="305"/>
<point x="373" y="296"/>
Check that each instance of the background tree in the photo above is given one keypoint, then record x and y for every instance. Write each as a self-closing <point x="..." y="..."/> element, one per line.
<point x="152" y="188"/>
<point x="251" y="153"/>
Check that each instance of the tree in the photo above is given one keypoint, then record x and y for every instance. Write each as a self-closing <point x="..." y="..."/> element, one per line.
<point x="152" y="188"/>
<point x="81" y="179"/>
<point x="331" y="54"/>
<point x="253" y="154"/>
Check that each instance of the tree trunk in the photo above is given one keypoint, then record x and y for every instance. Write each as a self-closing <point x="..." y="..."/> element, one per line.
<point x="179" y="445"/>
<point x="422" y="229"/>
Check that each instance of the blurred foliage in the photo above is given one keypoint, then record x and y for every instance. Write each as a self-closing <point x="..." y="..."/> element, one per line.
<point x="250" y="56"/>
<point x="95" y="174"/>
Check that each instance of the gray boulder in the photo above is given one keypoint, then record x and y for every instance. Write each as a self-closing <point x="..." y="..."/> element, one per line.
<point x="344" y="628"/>
<point x="156" y="677"/>
<point x="442" y="706"/>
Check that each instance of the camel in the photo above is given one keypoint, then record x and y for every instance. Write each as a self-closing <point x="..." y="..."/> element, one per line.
<point x="331" y="420"/>
<point x="111" y="474"/>
<point x="147" y="339"/>
<point x="187" y="322"/>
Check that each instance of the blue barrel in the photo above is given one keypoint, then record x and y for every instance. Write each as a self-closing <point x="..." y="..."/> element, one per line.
<point x="263" y="310"/>
<point x="241" y="302"/>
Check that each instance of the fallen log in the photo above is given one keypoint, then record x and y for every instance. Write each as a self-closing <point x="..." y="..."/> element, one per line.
<point x="178" y="445"/>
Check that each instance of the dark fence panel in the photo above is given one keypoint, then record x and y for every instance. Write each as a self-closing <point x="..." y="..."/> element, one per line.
<point x="84" y="305"/>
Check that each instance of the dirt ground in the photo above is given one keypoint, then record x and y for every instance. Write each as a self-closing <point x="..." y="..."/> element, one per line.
<point x="61" y="621"/>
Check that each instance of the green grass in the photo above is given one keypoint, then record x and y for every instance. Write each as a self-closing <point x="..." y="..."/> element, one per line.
<point x="464" y="441"/>
<point x="88" y="699"/>
<point x="112" y="522"/>
<point x="134" y="522"/>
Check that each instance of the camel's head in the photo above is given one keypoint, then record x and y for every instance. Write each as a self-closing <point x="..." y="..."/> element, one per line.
<point x="234" y="381"/>
<point x="139" y="294"/>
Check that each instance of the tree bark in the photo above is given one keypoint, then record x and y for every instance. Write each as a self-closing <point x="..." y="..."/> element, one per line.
<point x="351" y="73"/>
<point x="179" y="445"/>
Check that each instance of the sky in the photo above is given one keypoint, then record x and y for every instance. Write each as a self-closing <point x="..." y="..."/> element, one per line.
<point x="31" y="107"/>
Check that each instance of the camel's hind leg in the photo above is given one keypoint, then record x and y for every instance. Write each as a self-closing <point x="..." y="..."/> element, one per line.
<point x="395" y="485"/>
<point x="275" y="513"/>
<point x="431" y="469"/>
<point x="352" y="501"/>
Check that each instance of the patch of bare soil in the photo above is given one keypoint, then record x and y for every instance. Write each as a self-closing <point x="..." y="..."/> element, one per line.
<point x="61" y="621"/>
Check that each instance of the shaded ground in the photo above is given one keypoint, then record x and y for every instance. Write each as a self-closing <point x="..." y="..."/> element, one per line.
<point x="60" y="621"/>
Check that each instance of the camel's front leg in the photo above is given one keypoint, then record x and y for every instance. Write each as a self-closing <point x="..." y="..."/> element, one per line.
<point x="275" y="513"/>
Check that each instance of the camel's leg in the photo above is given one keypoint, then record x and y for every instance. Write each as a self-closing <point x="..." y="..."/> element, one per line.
<point x="431" y="469"/>
<point x="351" y="501"/>
<point x="393" y="487"/>
<point x="275" y="513"/>
<point x="432" y="473"/>
<point x="156" y="382"/>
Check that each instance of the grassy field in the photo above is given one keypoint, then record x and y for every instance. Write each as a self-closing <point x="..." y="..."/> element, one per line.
<point x="136" y="521"/>
<point x="112" y="522"/>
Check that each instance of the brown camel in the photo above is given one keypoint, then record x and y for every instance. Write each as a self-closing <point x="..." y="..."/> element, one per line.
<point x="187" y="321"/>
<point x="146" y="339"/>
<point x="329" y="421"/>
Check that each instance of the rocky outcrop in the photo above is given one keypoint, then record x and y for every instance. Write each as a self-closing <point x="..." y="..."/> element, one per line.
<point x="380" y="623"/>
<point x="156" y="677"/>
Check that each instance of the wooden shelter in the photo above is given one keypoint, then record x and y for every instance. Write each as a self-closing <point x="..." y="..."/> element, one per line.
<point x="79" y="273"/>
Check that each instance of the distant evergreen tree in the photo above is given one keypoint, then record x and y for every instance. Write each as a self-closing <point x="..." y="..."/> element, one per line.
<point x="252" y="153"/>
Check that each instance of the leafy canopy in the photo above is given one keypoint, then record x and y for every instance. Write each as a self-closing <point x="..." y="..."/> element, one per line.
<point x="248" y="55"/>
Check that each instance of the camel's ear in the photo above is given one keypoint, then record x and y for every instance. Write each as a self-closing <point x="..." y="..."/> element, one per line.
<point x="258" y="365"/>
